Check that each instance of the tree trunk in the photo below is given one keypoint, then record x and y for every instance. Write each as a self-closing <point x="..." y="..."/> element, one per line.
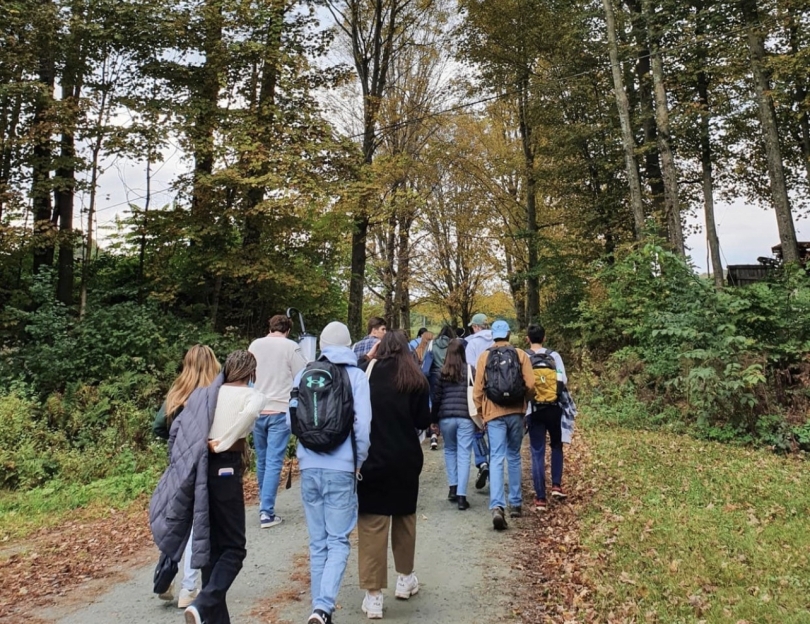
<point x="403" y="295"/>
<point x="706" y="161"/>
<point x="41" y="126"/>
<point x="671" y="198"/>
<point x="652" y="159"/>
<point x="357" y="281"/>
<point x="624" y="117"/>
<point x="66" y="180"/>
<point x="799" y="92"/>
<point x="770" y="133"/>
<point x="532" y="281"/>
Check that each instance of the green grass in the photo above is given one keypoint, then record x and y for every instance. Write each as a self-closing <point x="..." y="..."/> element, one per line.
<point x="686" y="530"/>
<point x="23" y="513"/>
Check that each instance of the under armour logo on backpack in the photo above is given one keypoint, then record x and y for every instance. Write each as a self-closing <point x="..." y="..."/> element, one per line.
<point x="316" y="382"/>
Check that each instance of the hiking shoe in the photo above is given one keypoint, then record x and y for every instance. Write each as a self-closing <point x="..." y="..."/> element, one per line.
<point x="451" y="495"/>
<point x="373" y="606"/>
<point x="168" y="595"/>
<point x="462" y="503"/>
<point x="483" y="475"/>
<point x="192" y="615"/>
<point x="540" y="504"/>
<point x="266" y="520"/>
<point x="434" y="442"/>
<point x="319" y="616"/>
<point x="498" y="519"/>
<point x="557" y="492"/>
<point x="516" y="512"/>
<point x="187" y="596"/>
<point x="407" y="586"/>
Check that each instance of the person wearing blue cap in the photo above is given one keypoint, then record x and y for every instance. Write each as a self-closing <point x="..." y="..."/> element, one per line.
<point x="504" y="380"/>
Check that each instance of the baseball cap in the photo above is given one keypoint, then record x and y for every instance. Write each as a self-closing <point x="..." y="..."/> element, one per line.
<point x="500" y="329"/>
<point x="478" y="319"/>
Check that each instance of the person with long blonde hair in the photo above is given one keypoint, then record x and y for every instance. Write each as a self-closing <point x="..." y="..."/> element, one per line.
<point x="200" y="368"/>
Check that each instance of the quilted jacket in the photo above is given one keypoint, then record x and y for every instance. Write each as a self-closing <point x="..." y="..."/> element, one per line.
<point x="181" y="496"/>
<point x="450" y="398"/>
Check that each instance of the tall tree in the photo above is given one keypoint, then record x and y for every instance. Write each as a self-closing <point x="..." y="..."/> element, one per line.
<point x="623" y="105"/>
<point x="770" y="130"/>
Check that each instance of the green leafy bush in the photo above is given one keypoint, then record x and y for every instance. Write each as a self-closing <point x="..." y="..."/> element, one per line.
<point x="732" y="362"/>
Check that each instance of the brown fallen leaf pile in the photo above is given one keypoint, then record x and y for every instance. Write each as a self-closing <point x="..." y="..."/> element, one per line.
<point x="549" y="561"/>
<point x="45" y="567"/>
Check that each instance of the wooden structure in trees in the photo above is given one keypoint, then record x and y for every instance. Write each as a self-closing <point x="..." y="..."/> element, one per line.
<point x="744" y="274"/>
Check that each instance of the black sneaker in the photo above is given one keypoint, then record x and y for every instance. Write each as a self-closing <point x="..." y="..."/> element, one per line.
<point x="462" y="503"/>
<point x="451" y="495"/>
<point x="434" y="442"/>
<point x="498" y="519"/>
<point x="320" y="617"/>
<point x="516" y="512"/>
<point x="483" y="475"/>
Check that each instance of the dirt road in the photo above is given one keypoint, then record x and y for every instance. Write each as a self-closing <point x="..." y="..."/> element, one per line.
<point x="460" y="561"/>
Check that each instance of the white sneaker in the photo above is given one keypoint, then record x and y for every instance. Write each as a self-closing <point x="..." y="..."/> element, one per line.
<point x="187" y="596"/>
<point x="407" y="586"/>
<point x="192" y="616"/>
<point x="373" y="606"/>
<point x="168" y="595"/>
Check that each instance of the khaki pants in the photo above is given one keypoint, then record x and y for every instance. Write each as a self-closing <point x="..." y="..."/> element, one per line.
<point x="372" y="551"/>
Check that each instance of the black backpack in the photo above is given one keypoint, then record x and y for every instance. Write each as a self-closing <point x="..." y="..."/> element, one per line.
<point x="503" y="381"/>
<point x="324" y="415"/>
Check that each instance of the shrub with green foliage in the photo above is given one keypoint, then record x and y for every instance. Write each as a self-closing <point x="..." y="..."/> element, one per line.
<point x="732" y="362"/>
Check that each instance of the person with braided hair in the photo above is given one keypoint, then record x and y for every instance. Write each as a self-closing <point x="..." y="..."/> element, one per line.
<point x="237" y="407"/>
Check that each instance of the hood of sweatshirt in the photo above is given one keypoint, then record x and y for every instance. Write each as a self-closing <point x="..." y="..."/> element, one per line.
<point x="442" y="342"/>
<point x="340" y="355"/>
<point x="484" y="335"/>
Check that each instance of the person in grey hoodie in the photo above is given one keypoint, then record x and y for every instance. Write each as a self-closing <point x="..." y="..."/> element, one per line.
<point x="328" y="482"/>
<point x="480" y="340"/>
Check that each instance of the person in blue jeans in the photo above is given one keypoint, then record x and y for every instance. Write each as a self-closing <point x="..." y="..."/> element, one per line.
<point x="450" y="410"/>
<point x="279" y="360"/>
<point x="329" y="486"/>
<point x="504" y="426"/>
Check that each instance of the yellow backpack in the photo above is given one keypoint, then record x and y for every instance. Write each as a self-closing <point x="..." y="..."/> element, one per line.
<point x="547" y="387"/>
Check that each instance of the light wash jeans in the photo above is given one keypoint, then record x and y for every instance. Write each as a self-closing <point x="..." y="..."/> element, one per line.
<point x="270" y="436"/>
<point x="505" y="435"/>
<point x="330" y="507"/>
<point x="458" y="436"/>
<point x="191" y="576"/>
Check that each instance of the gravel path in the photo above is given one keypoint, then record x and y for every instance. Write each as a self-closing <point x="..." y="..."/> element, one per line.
<point x="460" y="562"/>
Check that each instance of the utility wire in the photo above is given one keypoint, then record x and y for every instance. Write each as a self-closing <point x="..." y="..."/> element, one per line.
<point x="563" y="79"/>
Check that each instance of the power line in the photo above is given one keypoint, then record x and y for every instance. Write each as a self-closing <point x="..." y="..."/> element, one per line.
<point x="400" y="124"/>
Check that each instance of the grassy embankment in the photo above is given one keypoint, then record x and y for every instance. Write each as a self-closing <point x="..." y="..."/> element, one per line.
<point x="687" y="531"/>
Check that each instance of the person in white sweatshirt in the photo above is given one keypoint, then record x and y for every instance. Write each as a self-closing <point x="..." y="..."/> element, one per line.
<point x="237" y="406"/>
<point x="278" y="361"/>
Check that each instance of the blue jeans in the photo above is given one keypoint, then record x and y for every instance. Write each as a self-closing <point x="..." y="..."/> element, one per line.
<point x="458" y="440"/>
<point x="270" y="436"/>
<point x="480" y="449"/>
<point x="330" y="507"/>
<point x="505" y="435"/>
<point x="547" y="419"/>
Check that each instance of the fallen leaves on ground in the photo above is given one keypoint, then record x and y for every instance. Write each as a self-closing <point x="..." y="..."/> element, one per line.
<point x="46" y="567"/>
<point x="549" y="561"/>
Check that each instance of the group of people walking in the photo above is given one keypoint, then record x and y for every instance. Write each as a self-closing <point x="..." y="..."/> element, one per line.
<point x="357" y="412"/>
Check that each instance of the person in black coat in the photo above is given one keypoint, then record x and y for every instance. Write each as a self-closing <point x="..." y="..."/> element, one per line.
<point x="389" y="488"/>
<point x="451" y="411"/>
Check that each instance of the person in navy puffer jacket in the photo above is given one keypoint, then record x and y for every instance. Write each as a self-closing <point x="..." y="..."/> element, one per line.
<point x="450" y="410"/>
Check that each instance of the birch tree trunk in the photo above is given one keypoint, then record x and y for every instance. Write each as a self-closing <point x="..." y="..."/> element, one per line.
<point x="770" y="133"/>
<point x="623" y="105"/>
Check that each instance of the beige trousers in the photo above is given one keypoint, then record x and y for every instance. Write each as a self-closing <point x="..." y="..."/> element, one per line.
<point x="372" y="550"/>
